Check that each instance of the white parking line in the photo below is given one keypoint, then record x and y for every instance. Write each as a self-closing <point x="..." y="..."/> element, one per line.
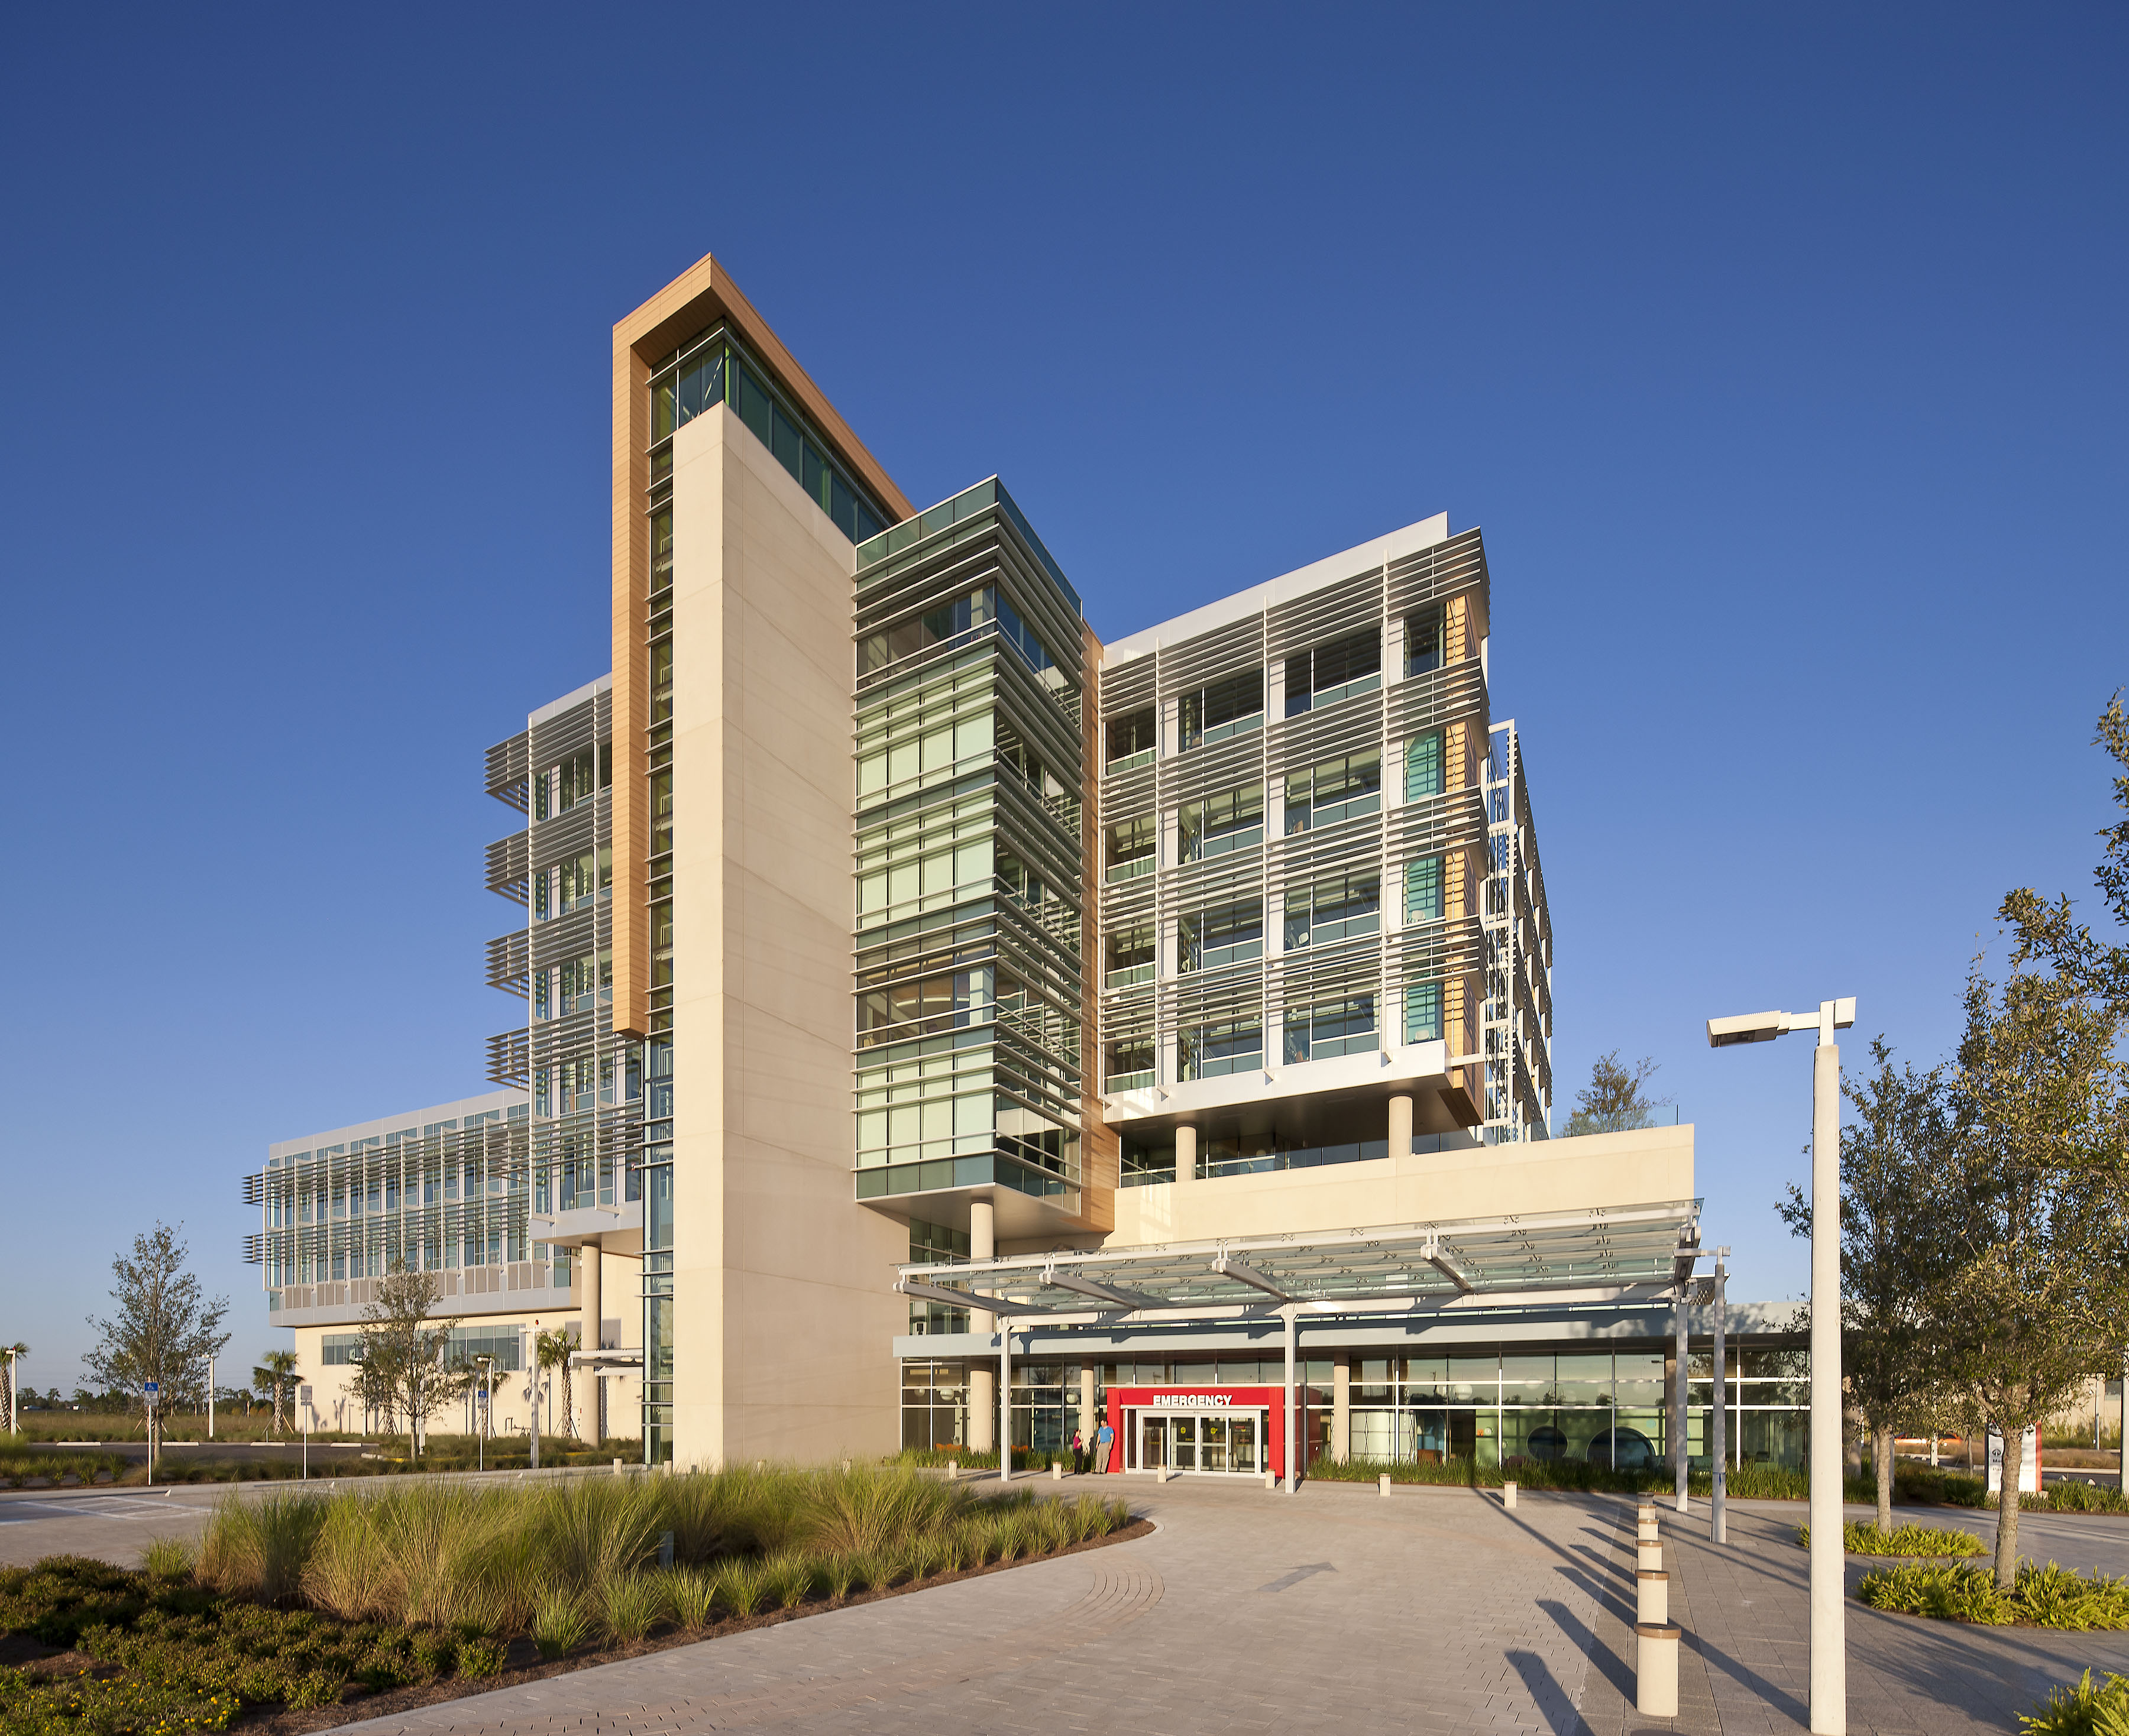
<point x="17" y="1512"/>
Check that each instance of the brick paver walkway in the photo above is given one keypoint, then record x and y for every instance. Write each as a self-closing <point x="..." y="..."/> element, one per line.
<point x="1435" y="1610"/>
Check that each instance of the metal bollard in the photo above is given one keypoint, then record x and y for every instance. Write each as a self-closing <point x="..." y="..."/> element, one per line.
<point x="1507" y="1494"/>
<point x="1652" y="1597"/>
<point x="1656" y="1669"/>
<point x="1382" y="1483"/>
<point x="1648" y="1557"/>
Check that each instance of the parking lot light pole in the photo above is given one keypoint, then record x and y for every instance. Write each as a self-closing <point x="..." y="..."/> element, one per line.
<point x="1829" y="1660"/>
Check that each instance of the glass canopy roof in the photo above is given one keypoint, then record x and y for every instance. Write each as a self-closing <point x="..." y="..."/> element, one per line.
<point x="1609" y="1249"/>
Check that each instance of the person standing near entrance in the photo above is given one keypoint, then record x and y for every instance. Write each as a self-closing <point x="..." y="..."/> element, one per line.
<point x="1078" y="1454"/>
<point x="1103" y="1436"/>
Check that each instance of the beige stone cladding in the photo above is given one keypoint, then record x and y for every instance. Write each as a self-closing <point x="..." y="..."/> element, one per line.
<point x="1587" y="1173"/>
<point x="782" y="1284"/>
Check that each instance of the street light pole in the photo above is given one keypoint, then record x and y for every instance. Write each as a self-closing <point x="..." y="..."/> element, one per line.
<point x="1829" y="1656"/>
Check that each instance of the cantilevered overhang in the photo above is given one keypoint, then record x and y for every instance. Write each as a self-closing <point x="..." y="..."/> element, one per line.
<point x="1616" y="1253"/>
<point x="1292" y="1097"/>
<point x="616" y="1228"/>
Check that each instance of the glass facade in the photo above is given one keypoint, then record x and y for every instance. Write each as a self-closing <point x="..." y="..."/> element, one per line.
<point x="1491" y="1407"/>
<point x="968" y="913"/>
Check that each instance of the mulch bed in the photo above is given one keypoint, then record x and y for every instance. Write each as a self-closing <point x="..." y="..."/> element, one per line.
<point x="523" y="1662"/>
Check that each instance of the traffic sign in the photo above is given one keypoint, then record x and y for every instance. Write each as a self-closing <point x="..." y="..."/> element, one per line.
<point x="149" y="1389"/>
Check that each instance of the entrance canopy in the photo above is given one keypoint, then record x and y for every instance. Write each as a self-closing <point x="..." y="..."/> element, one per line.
<point x="1602" y="1253"/>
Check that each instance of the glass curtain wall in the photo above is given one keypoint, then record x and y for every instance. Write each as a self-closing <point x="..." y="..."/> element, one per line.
<point x="969" y="857"/>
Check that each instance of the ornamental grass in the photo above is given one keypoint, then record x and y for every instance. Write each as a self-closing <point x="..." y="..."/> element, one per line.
<point x="1862" y="1537"/>
<point x="291" y="1598"/>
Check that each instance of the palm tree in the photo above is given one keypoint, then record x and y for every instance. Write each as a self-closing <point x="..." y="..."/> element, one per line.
<point x="271" y="1379"/>
<point x="10" y="1352"/>
<point x="553" y="1348"/>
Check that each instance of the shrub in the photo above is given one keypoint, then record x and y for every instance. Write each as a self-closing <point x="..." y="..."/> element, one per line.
<point x="740" y="1586"/>
<point x="81" y="1703"/>
<point x="169" y="1558"/>
<point x="789" y="1576"/>
<point x="691" y="1593"/>
<point x="2049" y="1596"/>
<point x="1862" y="1537"/>
<point x="559" y="1625"/>
<point x="631" y="1605"/>
<point x="2082" y="1710"/>
<point x="260" y="1548"/>
<point x="477" y="1656"/>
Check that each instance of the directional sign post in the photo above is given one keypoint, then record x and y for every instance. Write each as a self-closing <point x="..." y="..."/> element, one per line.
<point x="303" y="1409"/>
<point x="149" y="1390"/>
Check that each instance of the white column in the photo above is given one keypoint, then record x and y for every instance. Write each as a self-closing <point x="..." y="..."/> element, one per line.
<point x="1341" y="1407"/>
<point x="1829" y="1656"/>
<point x="1005" y="1398"/>
<point x="1186" y="1154"/>
<point x="1678" y="1414"/>
<point x="591" y="1306"/>
<point x="1292" y="1433"/>
<point x="1719" y="1412"/>
<point x="1088" y="1422"/>
<point x="1401" y="1125"/>
<point x="983" y="1394"/>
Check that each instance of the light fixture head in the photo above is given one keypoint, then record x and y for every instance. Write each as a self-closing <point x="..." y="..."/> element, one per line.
<point x="1746" y="1028"/>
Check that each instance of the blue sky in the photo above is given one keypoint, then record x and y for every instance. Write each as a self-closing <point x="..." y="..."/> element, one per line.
<point x="1779" y="351"/>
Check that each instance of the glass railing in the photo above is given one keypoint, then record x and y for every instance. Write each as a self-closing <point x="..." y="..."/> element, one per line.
<point x="1130" y="870"/>
<point x="1129" y="975"/>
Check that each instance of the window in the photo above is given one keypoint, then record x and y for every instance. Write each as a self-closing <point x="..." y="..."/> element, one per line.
<point x="1127" y="1063"/>
<point x="1422" y="766"/>
<point x="1225" y="933"/>
<point x="1336" y="909"/>
<point x="1130" y="955"/>
<point x="1422" y="640"/>
<point x="1130" y="847"/>
<point x="1330" y="672"/>
<point x="1330" y="1028"/>
<point x="1222" y="708"/>
<point x="1338" y="789"/>
<point x="1422" y="890"/>
<point x="1423" y="1013"/>
<point x="661" y="812"/>
<point x="962" y="621"/>
<point x="1231" y="820"/>
<point x="1131" y="740"/>
<point x="579" y="777"/>
<point x="1213" y="1051"/>
<point x="924" y="1005"/>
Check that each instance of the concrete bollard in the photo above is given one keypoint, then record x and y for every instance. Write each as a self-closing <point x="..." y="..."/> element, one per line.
<point x="1271" y="1480"/>
<point x="1056" y="1471"/>
<point x="1648" y="1558"/>
<point x="1648" y="1532"/>
<point x="846" y="1467"/>
<point x="1507" y="1494"/>
<point x="760" y="1465"/>
<point x="1652" y="1598"/>
<point x="616" y="1467"/>
<point x="1160" y="1473"/>
<point x="1656" y="1669"/>
<point x="953" y="1469"/>
<point x="1382" y="1484"/>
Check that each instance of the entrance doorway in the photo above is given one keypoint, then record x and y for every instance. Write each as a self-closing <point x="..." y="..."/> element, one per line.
<point x="1226" y="1442"/>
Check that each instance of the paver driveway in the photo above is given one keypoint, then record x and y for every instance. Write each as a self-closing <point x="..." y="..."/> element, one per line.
<point x="1433" y="1611"/>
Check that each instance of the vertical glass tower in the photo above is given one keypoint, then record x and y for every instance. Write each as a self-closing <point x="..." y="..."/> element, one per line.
<point x="969" y="868"/>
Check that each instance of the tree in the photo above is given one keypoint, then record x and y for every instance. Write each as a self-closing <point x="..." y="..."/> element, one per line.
<point x="1893" y="1255"/>
<point x="1614" y="1100"/>
<point x="274" y="1379"/>
<point x="404" y="1366"/>
<point x="552" y="1348"/>
<point x="2033" y="1209"/>
<point x="161" y="1329"/>
<point x="2050" y="931"/>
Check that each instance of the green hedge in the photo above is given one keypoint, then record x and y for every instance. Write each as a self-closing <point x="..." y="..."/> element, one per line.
<point x="2042" y="1597"/>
